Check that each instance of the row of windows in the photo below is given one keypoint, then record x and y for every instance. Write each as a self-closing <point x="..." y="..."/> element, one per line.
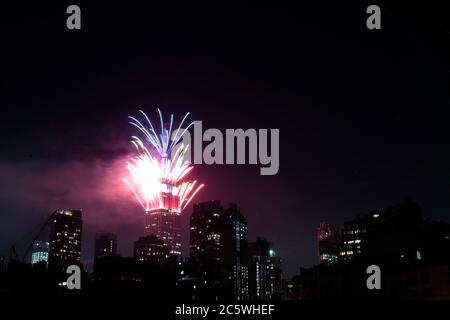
<point x="352" y="241"/>
<point x="355" y="231"/>
<point x="349" y="252"/>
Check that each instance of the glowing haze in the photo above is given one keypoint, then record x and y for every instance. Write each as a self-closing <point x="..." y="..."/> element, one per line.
<point x="157" y="173"/>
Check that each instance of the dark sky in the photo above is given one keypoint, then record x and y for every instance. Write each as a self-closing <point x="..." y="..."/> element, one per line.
<point x="363" y="115"/>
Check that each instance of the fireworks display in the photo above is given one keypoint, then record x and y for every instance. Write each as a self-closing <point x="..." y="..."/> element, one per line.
<point x="157" y="173"/>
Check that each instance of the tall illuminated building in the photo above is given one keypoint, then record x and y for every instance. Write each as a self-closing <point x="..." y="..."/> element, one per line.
<point x="265" y="271"/>
<point x="220" y="238"/>
<point x="259" y="256"/>
<point x="165" y="222"/>
<point x="240" y="252"/>
<point x="40" y="251"/>
<point x="65" y="238"/>
<point x="274" y="278"/>
<point x="207" y="231"/>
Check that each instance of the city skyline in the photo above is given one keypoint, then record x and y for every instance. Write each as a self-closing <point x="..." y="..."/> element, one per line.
<point x="223" y="263"/>
<point x="325" y="233"/>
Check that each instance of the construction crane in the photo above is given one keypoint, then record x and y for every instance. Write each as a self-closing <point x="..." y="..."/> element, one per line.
<point x="14" y="256"/>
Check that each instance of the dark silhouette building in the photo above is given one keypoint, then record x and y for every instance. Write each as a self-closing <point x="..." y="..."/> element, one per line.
<point x="152" y="249"/>
<point x="413" y="254"/>
<point x="275" y="283"/>
<point x="265" y="271"/>
<point x="105" y="245"/>
<point x="219" y="247"/>
<point x="65" y="238"/>
<point x="127" y="277"/>
<point x="396" y="234"/>
<point x="258" y="258"/>
<point x="294" y="288"/>
<point x="206" y="229"/>
<point x="239" y="236"/>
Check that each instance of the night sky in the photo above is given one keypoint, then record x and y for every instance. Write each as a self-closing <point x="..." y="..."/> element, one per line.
<point x="363" y="115"/>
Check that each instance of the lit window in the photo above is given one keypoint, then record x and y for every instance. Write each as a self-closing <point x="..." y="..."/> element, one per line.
<point x="418" y="255"/>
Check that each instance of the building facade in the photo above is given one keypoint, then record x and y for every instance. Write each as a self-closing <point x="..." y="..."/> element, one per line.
<point x="206" y="229"/>
<point x="65" y="238"/>
<point x="240" y="252"/>
<point x="40" y="251"/>
<point x="151" y="249"/>
<point x="105" y="245"/>
<point x="165" y="224"/>
<point x="412" y="252"/>
<point x="258" y="257"/>
<point x="275" y="283"/>
<point x="265" y="271"/>
<point x="394" y="234"/>
<point x="219" y="241"/>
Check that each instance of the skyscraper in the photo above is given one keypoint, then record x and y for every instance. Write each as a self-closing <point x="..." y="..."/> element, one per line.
<point x="40" y="251"/>
<point x="327" y="243"/>
<point x="165" y="224"/>
<point x="258" y="256"/>
<point x="210" y="252"/>
<point x="206" y="229"/>
<point x="220" y="237"/>
<point x="274" y="284"/>
<point x="265" y="271"/>
<point x="105" y="245"/>
<point x="65" y="238"/>
<point x="240" y="252"/>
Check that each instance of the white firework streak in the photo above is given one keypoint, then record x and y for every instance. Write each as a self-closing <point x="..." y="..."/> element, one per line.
<point x="153" y="176"/>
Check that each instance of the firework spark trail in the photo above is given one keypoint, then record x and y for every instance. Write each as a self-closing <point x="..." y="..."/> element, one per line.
<point x="154" y="177"/>
<point x="163" y="143"/>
